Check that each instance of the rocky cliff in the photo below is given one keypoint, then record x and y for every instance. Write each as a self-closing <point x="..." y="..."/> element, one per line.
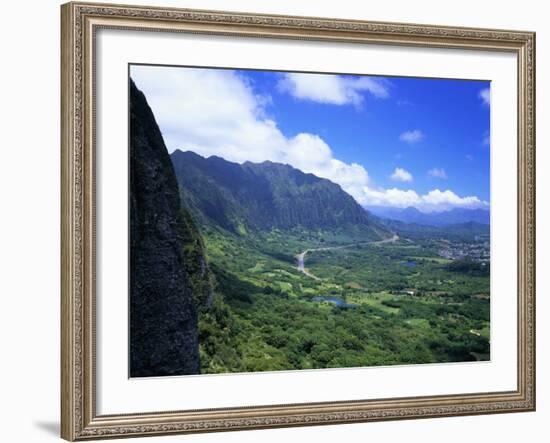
<point x="263" y="196"/>
<point x="163" y="315"/>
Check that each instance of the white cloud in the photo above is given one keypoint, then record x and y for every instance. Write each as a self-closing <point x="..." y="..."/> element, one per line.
<point x="433" y="201"/>
<point x="404" y="103"/>
<point x="437" y="173"/>
<point x="217" y="112"/>
<point x="332" y="89"/>
<point x="412" y="137"/>
<point x="401" y="175"/>
<point x="485" y="96"/>
<point x="486" y="141"/>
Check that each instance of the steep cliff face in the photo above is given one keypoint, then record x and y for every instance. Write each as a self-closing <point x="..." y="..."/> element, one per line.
<point x="163" y="315"/>
<point x="200" y="277"/>
<point x="262" y="196"/>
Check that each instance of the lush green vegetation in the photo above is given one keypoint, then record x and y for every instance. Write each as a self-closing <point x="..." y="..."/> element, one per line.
<point x="263" y="196"/>
<point x="405" y="304"/>
<point x="370" y="298"/>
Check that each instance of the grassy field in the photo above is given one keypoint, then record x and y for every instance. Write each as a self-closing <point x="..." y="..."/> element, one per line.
<point x="397" y="303"/>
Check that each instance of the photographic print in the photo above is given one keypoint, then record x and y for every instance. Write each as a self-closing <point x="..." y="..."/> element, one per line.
<point x="276" y="221"/>
<point x="291" y="221"/>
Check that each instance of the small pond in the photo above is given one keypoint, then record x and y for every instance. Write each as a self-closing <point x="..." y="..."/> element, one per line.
<point x="409" y="263"/>
<point x="337" y="301"/>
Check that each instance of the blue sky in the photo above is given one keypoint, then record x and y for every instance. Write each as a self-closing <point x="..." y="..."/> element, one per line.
<point x="389" y="141"/>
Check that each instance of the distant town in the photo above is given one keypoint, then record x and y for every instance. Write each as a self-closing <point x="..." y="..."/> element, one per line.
<point x="478" y="251"/>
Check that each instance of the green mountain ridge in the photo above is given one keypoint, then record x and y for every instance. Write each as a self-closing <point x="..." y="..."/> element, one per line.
<point x="215" y="285"/>
<point x="268" y="195"/>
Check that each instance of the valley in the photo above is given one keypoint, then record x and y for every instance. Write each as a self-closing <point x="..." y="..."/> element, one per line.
<point x="247" y="267"/>
<point x="305" y="278"/>
<point x="300" y="258"/>
<point x="388" y="302"/>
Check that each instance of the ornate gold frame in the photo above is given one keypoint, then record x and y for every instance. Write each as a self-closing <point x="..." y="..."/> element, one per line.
<point x="79" y="420"/>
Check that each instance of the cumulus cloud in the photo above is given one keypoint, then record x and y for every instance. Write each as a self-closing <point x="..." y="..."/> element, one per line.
<point x="404" y="103"/>
<point x="217" y="112"/>
<point x="433" y="201"/>
<point x="486" y="141"/>
<point x="485" y="96"/>
<point x="332" y="89"/>
<point x="437" y="173"/>
<point x="401" y="175"/>
<point x="412" y="137"/>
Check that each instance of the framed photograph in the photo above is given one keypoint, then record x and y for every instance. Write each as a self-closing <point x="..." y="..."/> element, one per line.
<point x="277" y="221"/>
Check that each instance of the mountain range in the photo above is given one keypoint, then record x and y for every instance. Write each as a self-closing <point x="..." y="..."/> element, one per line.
<point x="444" y="218"/>
<point x="263" y="196"/>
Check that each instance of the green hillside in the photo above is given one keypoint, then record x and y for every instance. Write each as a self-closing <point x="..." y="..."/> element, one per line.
<point x="265" y="196"/>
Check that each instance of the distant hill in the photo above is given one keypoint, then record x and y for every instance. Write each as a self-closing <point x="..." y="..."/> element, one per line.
<point x="468" y="231"/>
<point x="451" y="217"/>
<point x="262" y="196"/>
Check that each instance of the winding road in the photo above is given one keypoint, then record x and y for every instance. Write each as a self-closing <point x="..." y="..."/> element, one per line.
<point x="300" y="258"/>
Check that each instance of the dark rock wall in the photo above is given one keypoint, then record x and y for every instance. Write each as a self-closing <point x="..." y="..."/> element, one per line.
<point x="266" y="195"/>
<point x="163" y="316"/>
